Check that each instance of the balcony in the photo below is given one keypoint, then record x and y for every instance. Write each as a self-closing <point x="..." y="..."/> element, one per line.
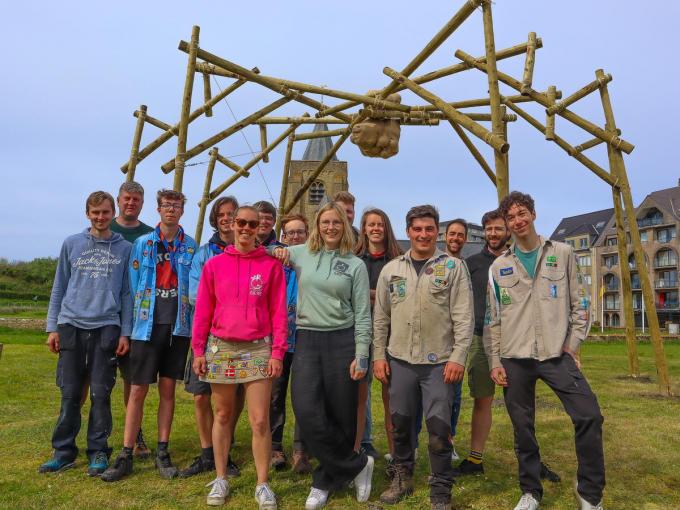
<point x="611" y="287"/>
<point x="672" y="305"/>
<point x="665" y="262"/>
<point x="649" y="222"/>
<point x="612" y="307"/>
<point x="665" y="284"/>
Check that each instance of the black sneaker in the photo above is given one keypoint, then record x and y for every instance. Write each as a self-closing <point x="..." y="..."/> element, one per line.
<point x="232" y="469"/>
<point x="370" y="450"/>
<point x="121" y="467"/>
<point x="199" y="465"/>
<point x="164" y="465"/>
<point x="549" y="474"/>
<point x="468" y="468"/>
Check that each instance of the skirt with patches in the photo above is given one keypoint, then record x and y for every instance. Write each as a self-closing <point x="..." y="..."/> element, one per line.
<point x="236" y="362"/>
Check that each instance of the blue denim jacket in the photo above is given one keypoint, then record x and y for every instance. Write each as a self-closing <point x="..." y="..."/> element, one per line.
<point x="143" y="284"/>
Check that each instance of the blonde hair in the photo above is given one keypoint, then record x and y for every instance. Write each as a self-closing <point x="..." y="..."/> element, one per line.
<point x="315" y="242"/>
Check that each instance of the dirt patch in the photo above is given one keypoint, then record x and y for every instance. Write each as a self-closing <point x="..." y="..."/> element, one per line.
<point x="644" y="379"/>
<point x="658" y="396"/>
<point x="22" y="323"/>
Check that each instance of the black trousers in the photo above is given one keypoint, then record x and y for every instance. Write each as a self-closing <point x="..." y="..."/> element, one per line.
<point x="277" y="408"/>
<point x="416" y="390"/>
<point x="325" y="404"/>
<point x="83" y="354"/>
<point x="566" y="380"/>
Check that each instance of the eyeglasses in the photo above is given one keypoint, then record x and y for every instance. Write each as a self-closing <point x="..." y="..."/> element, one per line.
<point x="240" y="223"/>
<point x="328" y="223"/>
<point x="170" y="207"/>
<point x="294" y="233"/>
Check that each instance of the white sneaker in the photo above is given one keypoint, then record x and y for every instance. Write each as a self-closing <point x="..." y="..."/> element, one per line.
<point x="265" y="497"/>
<point x="362" y="482"/>
<point x="527" y="502"/>
<point x="218" y="493"/>
<point x="454" y="454"/>
<point x="317" y="499"/>
<point x="584" y="504"/>
<point x="388" y="457"/>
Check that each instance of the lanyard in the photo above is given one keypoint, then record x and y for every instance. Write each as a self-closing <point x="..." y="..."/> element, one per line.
<point x="171" y="248"/>
<point x="216" y="248"/>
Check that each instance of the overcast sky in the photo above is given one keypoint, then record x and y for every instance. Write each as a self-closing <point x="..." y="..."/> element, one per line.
<point x="75" y="72"/>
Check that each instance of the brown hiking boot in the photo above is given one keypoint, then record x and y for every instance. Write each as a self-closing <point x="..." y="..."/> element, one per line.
<point x="400" y="487"/>
<point x="301" y="464"/>
<point x="440" y="505"/>
<point x="141" y="451"/>
<point x="278" y="461"/>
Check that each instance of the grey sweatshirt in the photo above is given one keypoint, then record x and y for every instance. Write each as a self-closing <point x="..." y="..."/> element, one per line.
<point x="91" y="287"/>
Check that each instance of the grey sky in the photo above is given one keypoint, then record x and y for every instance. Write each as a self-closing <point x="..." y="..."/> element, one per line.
<point x="75" y="72"/>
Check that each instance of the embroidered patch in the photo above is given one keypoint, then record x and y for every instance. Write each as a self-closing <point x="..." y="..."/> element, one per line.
<point x="256" y="285"/>
<point x="450" y="264"/>
<point x="439" y="283"/>
<point x="147" y="293"/>
<point x="190" y="250"/>
<point x="135" y="264"/>
<point x="214" y="349"/>
<point x="149" y="242"/>
<point x="145" y="253"/>
<point x="553" y="290"/>
<point x="506" y="271"/>
<point x="340" y="267"/>
<point x="144" y="314"/>
<point x="429" y="270"/>
<point x="432" y="357"/>
<point x="581" y="292"/>
<point x="505" y="297"/>
<point x="182" y="248"/>
<point x="401" y="288"/>
<point x="439" y="270"/>
<point x="551" y="258"/>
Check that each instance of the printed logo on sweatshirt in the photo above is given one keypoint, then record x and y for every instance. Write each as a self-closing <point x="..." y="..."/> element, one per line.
<point x="96" y="261"/>
<point x="340" y="267"/>
<point x="256" y="285"/>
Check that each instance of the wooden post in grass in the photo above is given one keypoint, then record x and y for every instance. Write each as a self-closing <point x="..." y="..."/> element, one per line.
<point x="180" y="157"/>
<point x="284" y="183"/>
<point x="502" y="175"/>
<point x="205" y="199"/>
<point x="619" y="167"/>
<point x="136" y="140"/>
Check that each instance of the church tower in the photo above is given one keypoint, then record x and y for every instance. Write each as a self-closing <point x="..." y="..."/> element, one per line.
<point x="332" y="179"/>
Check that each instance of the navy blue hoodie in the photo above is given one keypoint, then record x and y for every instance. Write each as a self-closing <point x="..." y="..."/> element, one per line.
<point x="91" y="287"/>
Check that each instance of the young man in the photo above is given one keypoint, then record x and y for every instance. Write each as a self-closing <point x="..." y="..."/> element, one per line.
<point x="539" y="317"/>
<point x="267" y="215"/>
<point x="221" y="220"/>
<point x="130" y="202"/>
<point x="159" y="277"/>
<point x="89" y="321"/>
<point x="423" y="317"/>
<point x="295" y="231"/>
<point x="347" y="201"/>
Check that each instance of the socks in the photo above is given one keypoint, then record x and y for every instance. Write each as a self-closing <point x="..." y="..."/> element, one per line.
<point x="162" y="446"/>
<point x="140" y="437"/>
<point x="475" y="457"/>
<point x="127" y="451"/>
<point x="207" y="453"/>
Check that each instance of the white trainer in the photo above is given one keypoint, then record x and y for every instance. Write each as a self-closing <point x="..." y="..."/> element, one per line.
<point x="583" y="503"/>
<point x="317" y="499"/>
<point x="454" y="454"/>
<point x="264" y="495"/>
<point x="218" y="493"/>
<point x="527" y="502"/>
<point x="362" y="482"/>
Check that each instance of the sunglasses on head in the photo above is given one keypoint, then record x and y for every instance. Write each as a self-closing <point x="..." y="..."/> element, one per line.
<point x="240" y="222"/>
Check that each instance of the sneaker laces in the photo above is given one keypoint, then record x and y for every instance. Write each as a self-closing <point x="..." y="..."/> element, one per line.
<point x="100" y="458"/>
<point x="317" y="494"/>
<point x="164" y="459"/>
<point x="525" y="501"/>
<point x="265" y="491"/>
<point x="219" y="486"/>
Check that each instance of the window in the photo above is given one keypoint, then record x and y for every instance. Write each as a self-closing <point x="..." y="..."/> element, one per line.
<point x="611" y="282"/>
<point x="583" y="242"/>
<point x="668" y="299"/>
<point x="587" y="279"/>
<point x="612" y="241"/>
<point x="635" y="280"/>
<point x="600" y="224"/>
<point x="611" y="302"/>
<point x="637" y="300"/>
<point x="316" y="192"/>
<point x="583" y="260"/>
<point x="610" y="260"/>
<point x="665" y="258"/>
<point x="665" y="235"/>
<point x="643" y="236"/>
<point x="653" y="217"/>
<point x="570" y="242"/>
<point x="616" y="320"/>
<point x="666" y="279"/>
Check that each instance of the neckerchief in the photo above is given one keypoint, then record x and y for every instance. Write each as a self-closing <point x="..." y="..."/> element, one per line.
<point x="216" y="245"/>
<point x="172" y="247"/>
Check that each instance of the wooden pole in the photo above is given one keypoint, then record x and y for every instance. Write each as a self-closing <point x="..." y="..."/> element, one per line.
<point x="244" y="171"/>
<point x="317" y="171"/>
<point x="585" y="161"/>
<point x="594" y="142"/>
<point x="153" y="121"/>
<point x="502" y="176"/>
<point x="284" y="183"/>
<point x="180" y="157"/>
<point x="579" y="94"/>
<point x="319" y="134"/>
<point x="234" y="128"/>
<point x="425" y="115"/>
<point x="647" y="290"/>
<point x="204" y="67"/>
<point x="136" y="140"/>
<point x="171" y="131"/>
<point x="528" y="76"/>
<point x="610" y="138"/>
<point x="441" y="73"/>
<point x="550" y="118"/>
<point x="475" y="153"/>
<point x="207" y="93"/>
<point x="472" y="103"/>
<point x="205" y="200"/>
<point x="451" y="113"/>
<point x="230" y="164"/>
<point x="263" y="141"/>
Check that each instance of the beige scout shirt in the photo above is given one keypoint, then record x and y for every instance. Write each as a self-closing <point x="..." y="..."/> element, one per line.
<point x="536" y="317"/>
<point x="429" y="318"/>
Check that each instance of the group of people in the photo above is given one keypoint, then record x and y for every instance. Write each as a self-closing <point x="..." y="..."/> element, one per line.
<point x="325" y="309"/>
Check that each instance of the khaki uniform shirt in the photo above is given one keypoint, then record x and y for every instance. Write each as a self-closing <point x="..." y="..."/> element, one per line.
<point x="426" y="318"/>
<point x="535" y="317"/>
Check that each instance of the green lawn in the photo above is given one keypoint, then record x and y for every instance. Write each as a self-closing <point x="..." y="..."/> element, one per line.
<point x="642" y="444"/>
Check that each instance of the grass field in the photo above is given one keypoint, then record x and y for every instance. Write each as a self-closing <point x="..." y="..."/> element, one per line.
<point x="642" y="445"/>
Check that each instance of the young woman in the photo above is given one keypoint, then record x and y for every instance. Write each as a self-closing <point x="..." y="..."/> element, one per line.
<point x="377" y="245"/>
<point x="239" y="337"/>
<point x="331" y="353"/>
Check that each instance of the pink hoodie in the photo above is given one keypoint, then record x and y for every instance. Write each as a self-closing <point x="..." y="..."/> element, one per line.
<point x="241" y="298"/>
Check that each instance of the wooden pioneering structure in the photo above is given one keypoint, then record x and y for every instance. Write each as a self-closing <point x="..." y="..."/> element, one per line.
<point x="356" y="108"/>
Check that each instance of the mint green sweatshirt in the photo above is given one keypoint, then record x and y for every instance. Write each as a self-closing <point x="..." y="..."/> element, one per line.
<point x="333" y="293"/>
